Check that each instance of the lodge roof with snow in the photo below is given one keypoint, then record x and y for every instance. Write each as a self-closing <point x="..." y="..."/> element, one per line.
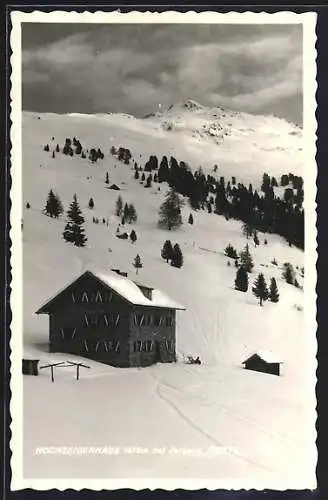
<point x="132" y="292"/>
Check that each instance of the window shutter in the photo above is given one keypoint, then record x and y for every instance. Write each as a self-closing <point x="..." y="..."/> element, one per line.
<point x="62" y="333"/>
<point x="73" y="333"/>
<point x="85" y="297"/>
<point x="73" y="298"/>
<point x="86" y="345"/>
<point x="117" y="319"/>
<point x="106" y="319"/>
<point x="99" y="297"/>
<point x="96" y="347"/>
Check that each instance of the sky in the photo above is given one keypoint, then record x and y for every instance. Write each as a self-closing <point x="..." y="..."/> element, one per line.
<point x="132" y="68"/>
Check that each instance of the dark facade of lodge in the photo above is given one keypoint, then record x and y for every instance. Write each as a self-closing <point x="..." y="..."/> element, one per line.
<point x="258" y="364"/>
<point x="93" y="320"/>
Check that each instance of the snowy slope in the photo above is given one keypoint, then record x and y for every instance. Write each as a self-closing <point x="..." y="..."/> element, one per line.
<point x="263" y="420"/>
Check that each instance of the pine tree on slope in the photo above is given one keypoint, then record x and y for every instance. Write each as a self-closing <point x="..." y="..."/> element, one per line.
<point x="241" y="281"/>
<point x="54" y="206"/>
<point x="119" y="206"/>
<point x="137" y="263"/>
<point x="170" y="211"/>
<point x="231" y="252"/>
<point x="167" y="250"/>
<point x="131" y="214"/>
<point x="191" y="219"/>
<point x="177" y="257"/>
<point x="246" y="260"/>
<point x="288" y="273"/>
<point x="133" y="236"/>
<point x="273" y="293"/>
<point x="260" y="289"/>
<point x="74" y="232"/>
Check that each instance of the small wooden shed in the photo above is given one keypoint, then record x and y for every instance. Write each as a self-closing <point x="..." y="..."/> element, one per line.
<point x="263" y="361"/>
<point x="30" y="366"/>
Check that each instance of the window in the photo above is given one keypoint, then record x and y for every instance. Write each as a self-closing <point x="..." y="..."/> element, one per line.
<point x="98" y="297"/>
<point x="139" y="319"/>
<point x="169" y="345"/>
<point x="157" y="320"/>
<point x="85" y="297"/>
<point x="137" y="346"/>
<point x="148" y="345"/>
<point x="169" y="321"/>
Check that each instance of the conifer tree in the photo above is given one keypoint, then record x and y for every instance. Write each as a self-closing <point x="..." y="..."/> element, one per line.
<point x="133" y="236"/>
<point x="191" y="219"/>
<point x="91" y="203"/>
<point x="130" y="214"/>
<point x="137" y="264"/>
<point x="170" y="211"/>
<point x="46" y="147"/>
<point x="53" y="154"/>
<point x="143" y="177"/>
<point x="256" y="239"/>
<point x="260" y="289"/>
<point x="273" y="293"/>
<point x="230" y="251"/>
<point x="53" y="207"/>
<point x="167" y="250"/>
<point x="57" y="148"/>
<point x="149" y="180"/>
<point x="241" y="281"/>
<point x="119" y="206"/>
<point x="247" y="230"/>
<point x="136" y="174"/>
<point x="107" y="178"/>
<point x="246" y="260"/>
<point x="163" y="171"/>
<point x="288" y="273"/>
<point x="74" y="232"/>
<point x="177" y="257"/>
<point x="28" y="205"/>
<point x="126" y="212"/>
<point x="78" y="149"/>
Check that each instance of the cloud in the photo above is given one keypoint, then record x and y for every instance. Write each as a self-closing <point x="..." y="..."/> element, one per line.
<point x="132" y="68"/>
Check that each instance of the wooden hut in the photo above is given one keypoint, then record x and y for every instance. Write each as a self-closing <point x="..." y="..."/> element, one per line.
<point x="263" y="361"/>
<point x="113" y="320"/>
<point x="30" y="366"/>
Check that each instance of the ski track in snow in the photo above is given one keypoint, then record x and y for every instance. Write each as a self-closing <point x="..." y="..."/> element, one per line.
<point x="199" y="429"/>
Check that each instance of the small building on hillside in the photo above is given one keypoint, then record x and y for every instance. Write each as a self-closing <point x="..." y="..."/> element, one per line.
<point x="113" y="320"/>
<point x="30" y="366"/>
<point x="263" y="361"/>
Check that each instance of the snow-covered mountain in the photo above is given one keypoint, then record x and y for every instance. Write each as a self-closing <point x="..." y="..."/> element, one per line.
<point x="265" y="421"/>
